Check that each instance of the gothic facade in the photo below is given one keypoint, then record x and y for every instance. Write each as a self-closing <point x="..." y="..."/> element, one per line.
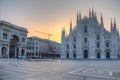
<point x="90" y="40"/>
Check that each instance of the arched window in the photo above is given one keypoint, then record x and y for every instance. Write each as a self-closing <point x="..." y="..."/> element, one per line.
<point x="36" y="48"/>
<point x="98" y="45"/>
<point x="107" y="44"/>
<point x="74" y="47"/>
<point x="74" y="39"/>
<point x="27" y="54"/>
<point x="67" y="46"/>
<point x="23" y="39"/>
<point x="85" y="39"/>
<point x="85" y="28"/>
<point x="98" y="37"/>
<point x="36" y="54"/>
<point x="4" y="35"/>
<point x="30" y="54"/>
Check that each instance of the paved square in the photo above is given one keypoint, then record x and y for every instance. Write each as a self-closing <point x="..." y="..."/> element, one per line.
<point x="13" y="69"/>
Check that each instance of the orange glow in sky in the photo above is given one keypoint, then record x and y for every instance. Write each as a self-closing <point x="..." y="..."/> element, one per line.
<point x="49" y="16"/>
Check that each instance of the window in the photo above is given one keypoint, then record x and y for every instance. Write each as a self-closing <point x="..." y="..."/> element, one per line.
<point x="23" y="39"/>
<point x="74" y="46"/>
<point x="85" y="28"/>
<point x="85" y="39"/>
<point x="30" y="48"/>
<point x="67" y="46"/>
<point x="36" y="48"/>
<point x="36" y="54"/>
<point x="74" y="55"/>
<point x="33" y="48"/>
<point x="107" y="55"/>
<point x="98" y="45"/>
<point x="98" y="37"/>
<point x="4" y="35"/>
<point x="36" y="43"/>
<point x="67" y="55"/>
<point x="107" y="44"/>
<point x="74" y="39"/>
<point x="27" y="47"/>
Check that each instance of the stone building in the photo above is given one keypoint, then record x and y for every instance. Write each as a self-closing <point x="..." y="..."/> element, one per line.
<point x="42" y="48"/>
<point x="90" y="40"/>
<point x="37" y="47"/>
<point x="13" y="40"/>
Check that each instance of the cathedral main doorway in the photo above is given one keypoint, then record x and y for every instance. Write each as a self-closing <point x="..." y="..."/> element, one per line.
<point x="98" y="55"/>
<point x="107" y="55"/>
<point x="85" y="54"/>
<point x="67" y="55"/>
<point x="13" y="49"/>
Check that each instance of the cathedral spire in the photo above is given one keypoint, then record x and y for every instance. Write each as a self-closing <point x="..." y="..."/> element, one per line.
<point x="89" y="13"/>
<point x="77" y="17"/>
<point x="92" y="12"/>
<point x="70" y="26"/>
<point x="114" y="24"/>
<point x="101" y="19"/>
<point x="63" y="34"/>
<point x="80" y="15"/>
<point x="111" y="26"/>
<point x="95" y="15"/>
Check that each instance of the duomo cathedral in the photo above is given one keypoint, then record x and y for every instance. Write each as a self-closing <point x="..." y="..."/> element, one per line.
<point x="90" y="40"/>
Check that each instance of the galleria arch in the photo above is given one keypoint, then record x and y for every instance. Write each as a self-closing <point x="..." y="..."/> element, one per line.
<point x="13" y="47"/>
<point x="13" y="40"/>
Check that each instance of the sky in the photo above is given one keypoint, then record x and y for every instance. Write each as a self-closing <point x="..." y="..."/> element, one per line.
<point x="49" y="16"/>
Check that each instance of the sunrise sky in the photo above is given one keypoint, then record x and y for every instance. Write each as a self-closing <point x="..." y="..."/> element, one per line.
<point x="49" y="16"/>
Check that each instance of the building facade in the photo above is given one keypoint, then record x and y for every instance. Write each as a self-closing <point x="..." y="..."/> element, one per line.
<point x="54" y="48"/>
<point x="90" y="40"/>
<point x="37" y="47"/>
<point x="15" y="44"/>
<point x="42" y="48"/>
<point x="13" y="40"/>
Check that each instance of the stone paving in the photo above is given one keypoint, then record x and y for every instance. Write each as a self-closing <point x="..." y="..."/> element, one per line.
<point x="13" y="69"/>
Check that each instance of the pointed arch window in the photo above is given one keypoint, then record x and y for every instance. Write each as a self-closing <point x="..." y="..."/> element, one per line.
<point x="67" y="46"/>
<point x="107" y="44"/>
<point x="98" y="37"/>
<point x="85" y="27"/>
<point x="98" y="45"/>
<point x="74" y="46"/>
<point x="74" y="39"/>
<point x="85" y="39"/>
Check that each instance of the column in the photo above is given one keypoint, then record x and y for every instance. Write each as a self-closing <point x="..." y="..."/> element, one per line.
<point x="7" y="51"/>
<point x="25" y="53"/>
<point x="15" y="51"/>
<point x="19" y="53"/>
<point x="0" y="49"/>
<point x="1" y="33"/>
